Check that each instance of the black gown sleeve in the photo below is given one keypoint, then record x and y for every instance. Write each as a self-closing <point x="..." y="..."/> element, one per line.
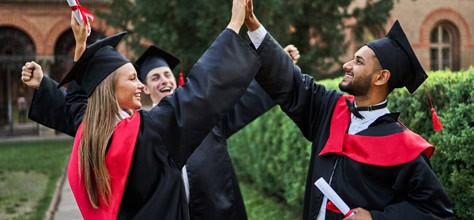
<point x="47" y="106"/>
<point x="425" y="196"/>
<point x="303" y="100"/>
<point x="215" y="84"/>
<point x="253" y="103"/>
<point x="75" y="107"/>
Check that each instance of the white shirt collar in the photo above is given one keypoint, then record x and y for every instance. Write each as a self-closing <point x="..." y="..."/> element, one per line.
<point x="358" y="124"/>
<point x="123" y="115"/>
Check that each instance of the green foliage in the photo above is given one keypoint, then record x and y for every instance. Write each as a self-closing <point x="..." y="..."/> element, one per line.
<point x="187" y="28"/>
<point x="454" y="157"/>
<point x="272" y="152"/>
<point x="262" y="206"/>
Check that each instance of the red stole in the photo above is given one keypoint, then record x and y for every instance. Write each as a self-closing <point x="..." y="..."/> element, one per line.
<point x="389" y="150"/>
<point x="118" y="159"/>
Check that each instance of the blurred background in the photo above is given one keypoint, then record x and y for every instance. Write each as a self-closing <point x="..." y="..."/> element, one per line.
<point x="327" y="33"/>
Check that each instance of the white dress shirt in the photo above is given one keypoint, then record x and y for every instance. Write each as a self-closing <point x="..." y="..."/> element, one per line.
<point x="358" y="124"/>
<point x="257" y="36"/>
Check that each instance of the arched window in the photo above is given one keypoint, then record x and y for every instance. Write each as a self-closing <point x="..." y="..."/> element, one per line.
<point x="16" y="48"/>
<point x="64" y="52"/>
<point x="444" y="47"/>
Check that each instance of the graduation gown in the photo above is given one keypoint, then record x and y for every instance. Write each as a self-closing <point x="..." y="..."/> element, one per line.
<point x="170" y="132"/>
<point x="215" y="191"/>
<point x="213" y="185"/>
<point x="405" y="191"/>
<point x="47" y="107"/>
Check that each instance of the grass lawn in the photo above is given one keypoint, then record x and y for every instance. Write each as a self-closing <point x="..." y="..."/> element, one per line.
<point x="29" y="172"/>
<point x="263" y="207"/>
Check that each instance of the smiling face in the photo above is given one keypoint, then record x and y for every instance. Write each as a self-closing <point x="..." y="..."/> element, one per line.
<point x="358" y="78"/>
<point x="160" y="82"/>
<point x="128" y="88"/>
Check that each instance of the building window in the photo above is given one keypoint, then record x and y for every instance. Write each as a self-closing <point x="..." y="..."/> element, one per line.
<point x="444" y="49"/>
<point x="64" y="52"/>
<point x="16" y="48"/>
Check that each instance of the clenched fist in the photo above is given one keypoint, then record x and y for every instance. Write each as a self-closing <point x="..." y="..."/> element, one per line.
<point x="32" y="74"/>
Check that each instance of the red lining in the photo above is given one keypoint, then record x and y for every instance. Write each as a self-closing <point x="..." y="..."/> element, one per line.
<point x="389" y="150"/>
<point x="118" y="160"/>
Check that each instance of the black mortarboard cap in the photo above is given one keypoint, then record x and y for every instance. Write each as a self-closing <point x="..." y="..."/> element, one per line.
<point x="396" y="55"/>
<point x="98" y="61"/>
<point x="152" y="58"/>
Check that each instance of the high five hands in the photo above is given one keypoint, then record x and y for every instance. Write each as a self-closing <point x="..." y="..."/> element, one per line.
<point x="238" y="15"/>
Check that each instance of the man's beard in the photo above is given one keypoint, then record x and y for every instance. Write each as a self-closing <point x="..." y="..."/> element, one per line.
<point x="357" y="88"/>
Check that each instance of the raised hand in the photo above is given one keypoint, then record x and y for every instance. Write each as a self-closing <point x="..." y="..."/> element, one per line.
<point x="251" y="20"/>
<point x="80" y="35"/>
<point x="32" y="74"/>
<point x="293" y="52"/>
<point x="238" y="15"/>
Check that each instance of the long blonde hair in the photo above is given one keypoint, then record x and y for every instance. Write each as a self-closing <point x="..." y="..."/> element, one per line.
<point x="98" y="126"/>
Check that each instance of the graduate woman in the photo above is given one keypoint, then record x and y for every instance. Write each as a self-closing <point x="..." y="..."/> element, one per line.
<point x="125" y="163"/>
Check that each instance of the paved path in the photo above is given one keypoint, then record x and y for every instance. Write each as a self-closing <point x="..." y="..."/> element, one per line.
<point x="67" y="208"/>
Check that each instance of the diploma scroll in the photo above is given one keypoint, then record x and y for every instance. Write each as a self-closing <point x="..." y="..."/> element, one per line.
<point x="80" y="13"/>
<point x="333" y="197"/>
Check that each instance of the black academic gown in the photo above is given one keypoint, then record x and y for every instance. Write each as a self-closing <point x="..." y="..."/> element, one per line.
<point x="213" y="185"/>
<point x="215" y="193"/>
<point x="47" y="107"/>
<point x="170" y="132"/>
<point x="406" y="191"/>
<point x="214" y="188"/>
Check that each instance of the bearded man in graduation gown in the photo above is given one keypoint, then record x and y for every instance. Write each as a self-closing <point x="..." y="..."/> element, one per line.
<point x="378" y="166"/>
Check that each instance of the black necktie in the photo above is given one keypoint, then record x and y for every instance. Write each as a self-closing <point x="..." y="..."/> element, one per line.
<point x="353" y="109"/>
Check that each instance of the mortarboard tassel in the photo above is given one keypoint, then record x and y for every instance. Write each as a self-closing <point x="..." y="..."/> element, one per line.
<point x="437" y="126"/>
<point x="181" y="79"/>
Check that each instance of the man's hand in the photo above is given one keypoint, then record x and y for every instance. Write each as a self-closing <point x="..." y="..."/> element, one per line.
<point x="359" y="214"/>
<point x="293" y="52"/>
<point x="238" y="15"/>
<point x="32" y="74"/>
<point x="80" y="35"/>
<point x="251" y="20"/>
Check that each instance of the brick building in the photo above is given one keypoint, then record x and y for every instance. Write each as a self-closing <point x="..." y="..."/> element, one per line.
<point x="37" y="30"/>
<point x="440" y="32"/>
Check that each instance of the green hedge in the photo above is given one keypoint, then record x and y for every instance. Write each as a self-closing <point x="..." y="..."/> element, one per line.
<point x="272" y="153"/>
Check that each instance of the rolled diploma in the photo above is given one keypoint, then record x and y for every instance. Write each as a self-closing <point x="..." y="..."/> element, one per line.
<point x="77" y="12"/>
<point x="332" y="195"/>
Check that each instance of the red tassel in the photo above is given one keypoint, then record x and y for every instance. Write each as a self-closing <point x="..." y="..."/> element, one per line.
<point x="437" y="126"/>
<point x="181" y="79"/>
<point x="436" y="122"/>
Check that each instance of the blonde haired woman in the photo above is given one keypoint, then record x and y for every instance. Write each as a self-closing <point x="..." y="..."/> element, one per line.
<point x="126" y="163"/>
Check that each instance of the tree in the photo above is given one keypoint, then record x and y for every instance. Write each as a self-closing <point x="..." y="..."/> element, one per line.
<point x="187" y="28"/>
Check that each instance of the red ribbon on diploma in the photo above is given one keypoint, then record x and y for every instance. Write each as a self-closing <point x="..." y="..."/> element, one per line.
<point x="84" y="12"/>
<point x="331" y="207"/>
